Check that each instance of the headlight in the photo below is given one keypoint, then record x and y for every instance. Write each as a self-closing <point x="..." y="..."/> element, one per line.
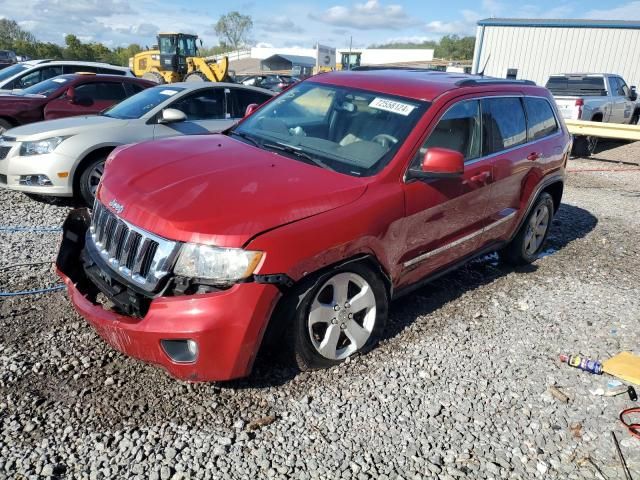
<point x="40" y="147"/>
<point x="223" y="265"/>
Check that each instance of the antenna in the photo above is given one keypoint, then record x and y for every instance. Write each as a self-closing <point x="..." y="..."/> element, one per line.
<point x="485" y="66"/>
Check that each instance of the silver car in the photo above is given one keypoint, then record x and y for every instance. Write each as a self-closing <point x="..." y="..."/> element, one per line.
<point x="66" y="157"/>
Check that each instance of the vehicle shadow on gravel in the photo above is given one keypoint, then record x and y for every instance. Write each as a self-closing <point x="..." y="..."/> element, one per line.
<point x="570" y="223"/>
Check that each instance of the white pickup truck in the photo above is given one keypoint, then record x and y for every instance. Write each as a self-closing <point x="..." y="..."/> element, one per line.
<point x="598" y="97"/>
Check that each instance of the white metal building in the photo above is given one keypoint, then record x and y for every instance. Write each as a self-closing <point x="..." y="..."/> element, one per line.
<point x="534" y="49"/>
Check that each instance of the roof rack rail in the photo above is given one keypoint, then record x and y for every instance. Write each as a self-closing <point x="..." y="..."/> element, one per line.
<point x="474" y="82"/>
<point x="366" y="68"/>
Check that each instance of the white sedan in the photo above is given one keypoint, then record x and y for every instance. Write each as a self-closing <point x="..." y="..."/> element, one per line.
<point x="66" y="157"/>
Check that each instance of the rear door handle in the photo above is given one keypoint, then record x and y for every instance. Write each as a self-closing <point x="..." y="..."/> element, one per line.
<point x="535" y="156"/>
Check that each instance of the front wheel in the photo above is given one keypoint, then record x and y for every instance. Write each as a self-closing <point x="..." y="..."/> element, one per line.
<point x="343" y="313"/>
<point x="196" y="77"/>
<point x="90" y="179"/>
<point x="528" y="242"/>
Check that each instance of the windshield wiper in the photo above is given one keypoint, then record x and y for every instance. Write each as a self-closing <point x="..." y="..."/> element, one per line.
<point x="246" y="136"/>
<point x="283" y="147"/>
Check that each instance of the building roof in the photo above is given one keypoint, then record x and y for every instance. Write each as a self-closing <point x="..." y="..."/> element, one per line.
<point x="559" y="23"/>
<point x="301" y="60"/>
<point x="417" y="84"/>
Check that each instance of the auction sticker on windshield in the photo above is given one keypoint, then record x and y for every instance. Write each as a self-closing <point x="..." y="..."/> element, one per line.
<point x="168" y="92"/>
<point x="392" y="106"/>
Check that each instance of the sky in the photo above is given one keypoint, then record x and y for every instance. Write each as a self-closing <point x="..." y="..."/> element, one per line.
<point x="290" y="23"/>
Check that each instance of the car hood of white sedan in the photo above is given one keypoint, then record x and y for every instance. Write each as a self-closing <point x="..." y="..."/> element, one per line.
<point x="63" y="127"/>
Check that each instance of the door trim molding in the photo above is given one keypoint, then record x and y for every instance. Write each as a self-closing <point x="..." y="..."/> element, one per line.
<point x="506" y="214"/>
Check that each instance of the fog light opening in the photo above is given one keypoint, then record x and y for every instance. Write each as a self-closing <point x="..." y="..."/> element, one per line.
<point x="35" y="181"/>
<point x="180" y="351"/>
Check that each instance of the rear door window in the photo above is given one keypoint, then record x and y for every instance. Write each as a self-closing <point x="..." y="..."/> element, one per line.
<point x="110" y="71"/>
<point x="504" y="124"/>
<point x="110" y="91"/>
<point x="239" y="99"/>
<point x="79" y="69"/>
<point x="203" y="105"/>
<point x="541" y="120"/>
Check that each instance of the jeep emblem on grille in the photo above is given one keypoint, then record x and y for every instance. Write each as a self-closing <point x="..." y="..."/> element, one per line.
<point x="116" y="206"/>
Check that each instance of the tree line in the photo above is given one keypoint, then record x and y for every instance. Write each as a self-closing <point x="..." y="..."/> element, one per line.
<point x="233" y="30"/>
<point x="13" y="37"/>
<point x="449" y="47"/>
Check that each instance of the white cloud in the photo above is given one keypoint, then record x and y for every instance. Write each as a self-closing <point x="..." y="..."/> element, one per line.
<point x="370" y="15"/>
<point x="112" y="22"/>
<point x="465" y="26"/>
<point x="279" y="23"/>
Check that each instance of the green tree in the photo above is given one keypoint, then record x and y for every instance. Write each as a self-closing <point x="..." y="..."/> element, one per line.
<point x="450" y="47"/>
<point x="233" y="29"/>
<point x="11" y="32"/>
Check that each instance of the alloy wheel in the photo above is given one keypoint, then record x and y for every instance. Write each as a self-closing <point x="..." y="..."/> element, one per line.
<point x="537" y="229"/>
<point x="342" y="316"/>
<point x="94" y="178"/>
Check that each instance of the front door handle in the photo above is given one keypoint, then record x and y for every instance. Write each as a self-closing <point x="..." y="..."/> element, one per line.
<point x="482" y="177"/>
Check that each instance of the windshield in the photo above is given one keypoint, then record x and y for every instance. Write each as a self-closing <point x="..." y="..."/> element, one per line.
<point x="47" y="87"/>
<point x="356" y="132"/>
<point x="141" y="103"/>
<point x="577" y="86"/>
<point x="11" y="71"/>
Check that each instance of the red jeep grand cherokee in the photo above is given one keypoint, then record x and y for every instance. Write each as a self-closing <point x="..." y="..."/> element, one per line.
<point x="305" y="220"/>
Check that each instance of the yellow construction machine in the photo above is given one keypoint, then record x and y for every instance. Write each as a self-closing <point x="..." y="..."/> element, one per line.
<point x="177" y="60"/>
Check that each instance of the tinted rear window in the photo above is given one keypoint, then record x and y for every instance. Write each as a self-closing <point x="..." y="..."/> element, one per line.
<point x="540" y="116"/>
<point x="504" y="124"/>
<point x="577" y="86"/>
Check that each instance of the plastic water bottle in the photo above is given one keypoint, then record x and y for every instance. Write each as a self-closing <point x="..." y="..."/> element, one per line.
<point x="583" y="363"/>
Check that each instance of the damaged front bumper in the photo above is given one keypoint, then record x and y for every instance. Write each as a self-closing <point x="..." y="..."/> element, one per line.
<point x="226" y="326"/>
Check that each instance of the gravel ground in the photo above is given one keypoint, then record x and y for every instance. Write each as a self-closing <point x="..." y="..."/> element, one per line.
<point x="458" y="388"/>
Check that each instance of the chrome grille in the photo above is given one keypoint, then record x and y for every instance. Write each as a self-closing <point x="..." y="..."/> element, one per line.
<point x="133" y="253"/>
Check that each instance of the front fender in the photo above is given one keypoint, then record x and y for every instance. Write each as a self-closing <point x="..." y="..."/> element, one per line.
<point x="360" y="228"/>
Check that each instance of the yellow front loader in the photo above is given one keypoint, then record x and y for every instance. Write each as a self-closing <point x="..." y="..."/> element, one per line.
<point x="177" y="60"/>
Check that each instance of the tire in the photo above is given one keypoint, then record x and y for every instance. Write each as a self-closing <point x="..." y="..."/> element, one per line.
<point x="4" y="126"/>
<point x="89" y="180"/>
<point x="196" y="77"/>
<point x="320" y="340"/>
<point x="154" y="77"/>
<point x="527" y="244"/>
<point x="584" y="146"/>
<point x="635" y="118"/>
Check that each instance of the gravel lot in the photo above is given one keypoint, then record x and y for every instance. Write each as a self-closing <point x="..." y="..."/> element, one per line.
<point x="458" y="389"/>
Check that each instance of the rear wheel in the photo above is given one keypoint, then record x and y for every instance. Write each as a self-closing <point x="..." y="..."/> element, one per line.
<point x="584" y="146"/>
<point x="90" y="178"/>
<point x="154" y="77"/>
<point x="343" y="313"/>
<point x="4" y="126"/>
<point x="196" y="77"/>
<point x="529" y="241"/>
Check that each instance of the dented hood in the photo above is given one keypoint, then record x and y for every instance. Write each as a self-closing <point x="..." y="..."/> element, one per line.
<point x="213" y="189"/>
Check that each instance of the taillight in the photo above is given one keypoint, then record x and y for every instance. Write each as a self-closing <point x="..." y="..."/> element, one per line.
<point x="579" y="104"/>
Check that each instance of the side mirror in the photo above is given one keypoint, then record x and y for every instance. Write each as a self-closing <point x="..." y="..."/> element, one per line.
<point x="71" y="94"/>
<point x="252" y="107"/>
<point x="439" y="163"/>
<point x="633" y="94"/>
<point x="172" y="115"/>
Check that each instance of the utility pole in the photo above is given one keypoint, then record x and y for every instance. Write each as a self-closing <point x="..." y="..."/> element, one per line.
<point x="350" y="45"/>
